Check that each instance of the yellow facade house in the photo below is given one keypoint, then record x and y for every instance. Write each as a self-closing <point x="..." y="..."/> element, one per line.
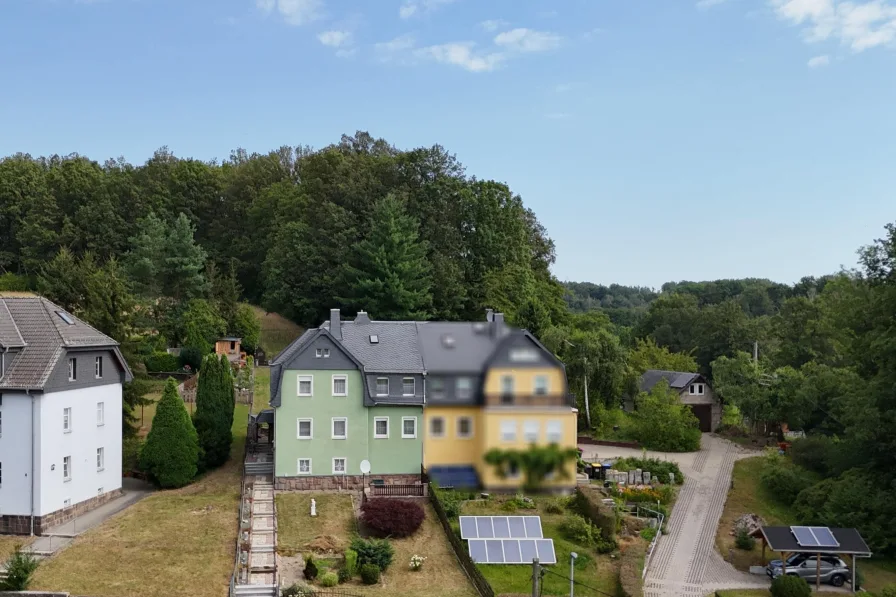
<point x="489" y="387"/>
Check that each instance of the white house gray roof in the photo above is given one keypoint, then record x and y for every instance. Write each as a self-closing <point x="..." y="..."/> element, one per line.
<point x="46" y="334"/>
<point x="676" y="379"/>
<point x="396" y="349"/>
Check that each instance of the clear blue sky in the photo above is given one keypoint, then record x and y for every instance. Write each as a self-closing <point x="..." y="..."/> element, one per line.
<point x="656" y="139"/>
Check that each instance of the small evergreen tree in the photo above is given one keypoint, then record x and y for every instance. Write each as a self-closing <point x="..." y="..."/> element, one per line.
<point x="390" y="274"/>
<point x="20" y="568"/>
<point x="171" y="452"/>
<point x="214" y="411"/>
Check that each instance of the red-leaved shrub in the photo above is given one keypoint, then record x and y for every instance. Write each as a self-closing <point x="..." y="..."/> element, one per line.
<point x="392" y="518"/>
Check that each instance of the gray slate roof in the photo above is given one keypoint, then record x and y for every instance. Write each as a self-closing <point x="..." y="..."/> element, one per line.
<point x="45" y="337"/>
<point x="676" y="379"/>
<point x="470" y="347"/>
<point x="396" y="351"/>
<point x="9" y="333"/>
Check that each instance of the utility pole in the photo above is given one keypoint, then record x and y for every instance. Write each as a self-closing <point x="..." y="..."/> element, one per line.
<point x="572" y="572"/>
<point x="536" y="577"/>
<point x="756" y="351"/>
<point x="587" y="404"/>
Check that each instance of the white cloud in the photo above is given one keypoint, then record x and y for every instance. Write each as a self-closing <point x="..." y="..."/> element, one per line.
<point x="335" y="39"/>
<point x="493" y="24"/>
<point x="401" y="43"/>
<point x="294" y="12"/>
<point x="413" y="7"/>
<point x="464" y="55"/>
<point x="527" y="40"/>
<point x="704" y="4"/>
<point x="860" y="26"/>
<point x="819" y="61"/>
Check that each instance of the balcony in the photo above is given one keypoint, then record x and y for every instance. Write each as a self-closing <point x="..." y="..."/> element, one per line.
<point x="529" y="400"/>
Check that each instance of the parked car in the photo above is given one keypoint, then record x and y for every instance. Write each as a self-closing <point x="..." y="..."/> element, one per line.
<point x="833" y="570"/>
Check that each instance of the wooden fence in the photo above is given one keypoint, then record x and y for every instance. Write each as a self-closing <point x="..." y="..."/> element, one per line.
<point x="479" y="583"/>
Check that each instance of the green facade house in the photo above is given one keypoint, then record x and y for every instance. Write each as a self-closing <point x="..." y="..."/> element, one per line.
<point x="343" y="393"/>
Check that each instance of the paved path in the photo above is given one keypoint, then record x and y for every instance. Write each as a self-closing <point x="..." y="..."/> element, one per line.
<point x="61" y="536"/>
<point x="686" y="563"/>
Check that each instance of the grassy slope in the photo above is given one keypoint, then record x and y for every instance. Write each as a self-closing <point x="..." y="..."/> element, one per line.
<point x="592" y="570"/>
<point x="441" y="575"/>
<point x="173" y="543"/>
<point x="749" y="496"/>
<point x="276" y="331"/>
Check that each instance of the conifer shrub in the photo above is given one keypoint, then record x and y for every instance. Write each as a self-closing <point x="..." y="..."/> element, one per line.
<point x="171" y="452"/>
<point x="790" y="586"/>
<point x="370" y="574"/>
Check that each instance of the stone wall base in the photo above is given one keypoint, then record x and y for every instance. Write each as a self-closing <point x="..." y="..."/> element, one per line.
<point x="21" y="525"/>
<point x="332" y="482"/>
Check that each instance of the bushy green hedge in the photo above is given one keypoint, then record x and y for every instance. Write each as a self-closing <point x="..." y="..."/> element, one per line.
<point x="587" y="503"/>
<point x="162" y="362"/>
<point x="783" y="479"/>
<point x="659" y="469"/>
<point x="790" y="586"/>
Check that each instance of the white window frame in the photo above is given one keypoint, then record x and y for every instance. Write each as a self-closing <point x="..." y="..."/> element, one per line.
<point x="344" y="470"/>
<point x="66" y="468"/>
<point x="467" y="435"/>
<point x="333" y="428"/>
<point x="523" y="355"/>
<point x="413" y="381"/>
<point x="100" y="460"/>
<point x="299" y="466"/>
<point x="554" y="431"/>
<point x="535" y="384"/>
<point x="318" y="353"/>
<point x="326" y="353"/>
<point x="697" y="389"/>
<point x="67" y="419"/>
<point x="339" y="376"/>
<point x="528" y="426"/>
<point x="468" y="392"/>
<point x="299" y="380"/>
<point x="299" y="429"/>
<point x="377" y="435"/>
<point x="505" y="391"/>
<point x="508" y="431"/>
<point x="100" y="414"/>
<point x="377" y="386"/>
<point x="98" y="368"/>
<point x="431" y="433"/>
<point x="408" y="435"/>
<point x="73" y="369"/>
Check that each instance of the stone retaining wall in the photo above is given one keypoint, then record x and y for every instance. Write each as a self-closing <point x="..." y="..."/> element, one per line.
<point x="331" y="482"/>
<point x="21" y="525"/>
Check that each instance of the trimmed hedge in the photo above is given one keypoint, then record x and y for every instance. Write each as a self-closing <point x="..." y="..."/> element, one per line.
<point x="630" y="563"/>
<point x="790" y="586"/>
<point x="588" y="504"/>
<point x="162" y="362"/>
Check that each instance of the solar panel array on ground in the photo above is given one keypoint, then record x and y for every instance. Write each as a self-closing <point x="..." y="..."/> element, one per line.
<point x="506" y="540"/>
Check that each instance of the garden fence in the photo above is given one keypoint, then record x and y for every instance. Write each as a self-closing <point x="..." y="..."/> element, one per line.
<point x="481" y="585"/>
<point x="397" y="490"/>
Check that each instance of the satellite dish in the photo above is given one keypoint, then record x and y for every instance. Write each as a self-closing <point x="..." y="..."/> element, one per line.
<point x="365" y="466"/>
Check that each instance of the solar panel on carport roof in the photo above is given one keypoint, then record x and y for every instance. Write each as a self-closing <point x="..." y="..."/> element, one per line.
<point x="533" y="526"/>
<point x="825" y="537"/>
<point x="502" y="530"/>
<point x="517" y="527"/>
<point x="468" y="528"/>
<point x="804" y="536"/>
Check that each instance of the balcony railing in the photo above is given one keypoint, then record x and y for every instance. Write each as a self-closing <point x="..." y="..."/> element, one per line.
<point x="553" y="400"/>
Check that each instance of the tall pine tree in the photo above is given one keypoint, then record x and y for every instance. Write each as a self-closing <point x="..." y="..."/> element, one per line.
<point x="171" y="452"/>
<point x="390" y="275"/>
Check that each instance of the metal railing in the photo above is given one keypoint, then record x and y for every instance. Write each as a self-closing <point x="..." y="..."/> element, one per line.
<point x="659" y="531"/>
<point x="397" y="490"/>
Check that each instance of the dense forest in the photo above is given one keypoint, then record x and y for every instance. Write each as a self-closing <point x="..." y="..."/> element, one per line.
<point x="171" y="252"/>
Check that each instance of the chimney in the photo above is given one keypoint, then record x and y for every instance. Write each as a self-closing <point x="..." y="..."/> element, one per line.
<point x="498" y="327"/>
<point x="335" y="324"/>
<point x="489" y="315"/>
<point x="362" y="317"/>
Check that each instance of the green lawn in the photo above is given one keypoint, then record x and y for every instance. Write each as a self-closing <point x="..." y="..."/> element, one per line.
<point x="748" y="495"/>
<point x="594" y="570"/>
<point x="173" y="543"/>
<point x="262" y="396"/>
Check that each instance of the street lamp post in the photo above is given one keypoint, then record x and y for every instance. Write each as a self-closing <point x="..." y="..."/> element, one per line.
<point x="572" y="573"/>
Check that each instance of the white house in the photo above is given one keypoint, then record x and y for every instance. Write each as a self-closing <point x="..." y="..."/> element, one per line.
<point x="60" y="416"/>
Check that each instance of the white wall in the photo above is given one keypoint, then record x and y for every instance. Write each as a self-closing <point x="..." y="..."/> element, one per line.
<point x="81" y="444"/>
<point x="15" y="455"/>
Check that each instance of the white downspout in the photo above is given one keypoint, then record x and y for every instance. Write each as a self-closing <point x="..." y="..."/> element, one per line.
<point x="28" y="393"/>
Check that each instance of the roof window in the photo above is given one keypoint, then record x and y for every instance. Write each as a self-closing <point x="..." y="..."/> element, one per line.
<point x="65" y="317"/>
<point x="374" y="339"/>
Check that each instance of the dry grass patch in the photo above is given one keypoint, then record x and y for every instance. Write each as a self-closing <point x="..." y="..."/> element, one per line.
<point x="296" y="530"/>
<point x="170" y="544"/>
<point x="276" y="331"/>
<point x="8" y="544"/>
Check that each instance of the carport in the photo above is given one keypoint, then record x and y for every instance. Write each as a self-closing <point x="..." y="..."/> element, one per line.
<point x="814" y="540"/>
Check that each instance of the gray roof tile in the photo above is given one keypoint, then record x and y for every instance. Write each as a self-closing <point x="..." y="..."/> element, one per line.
<point x="396" y="349"/>
<point x="46" y="336"/>
<point x="676" y="379"/>
<point x="456" y="347"/>
<point x="9" y="333"/>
